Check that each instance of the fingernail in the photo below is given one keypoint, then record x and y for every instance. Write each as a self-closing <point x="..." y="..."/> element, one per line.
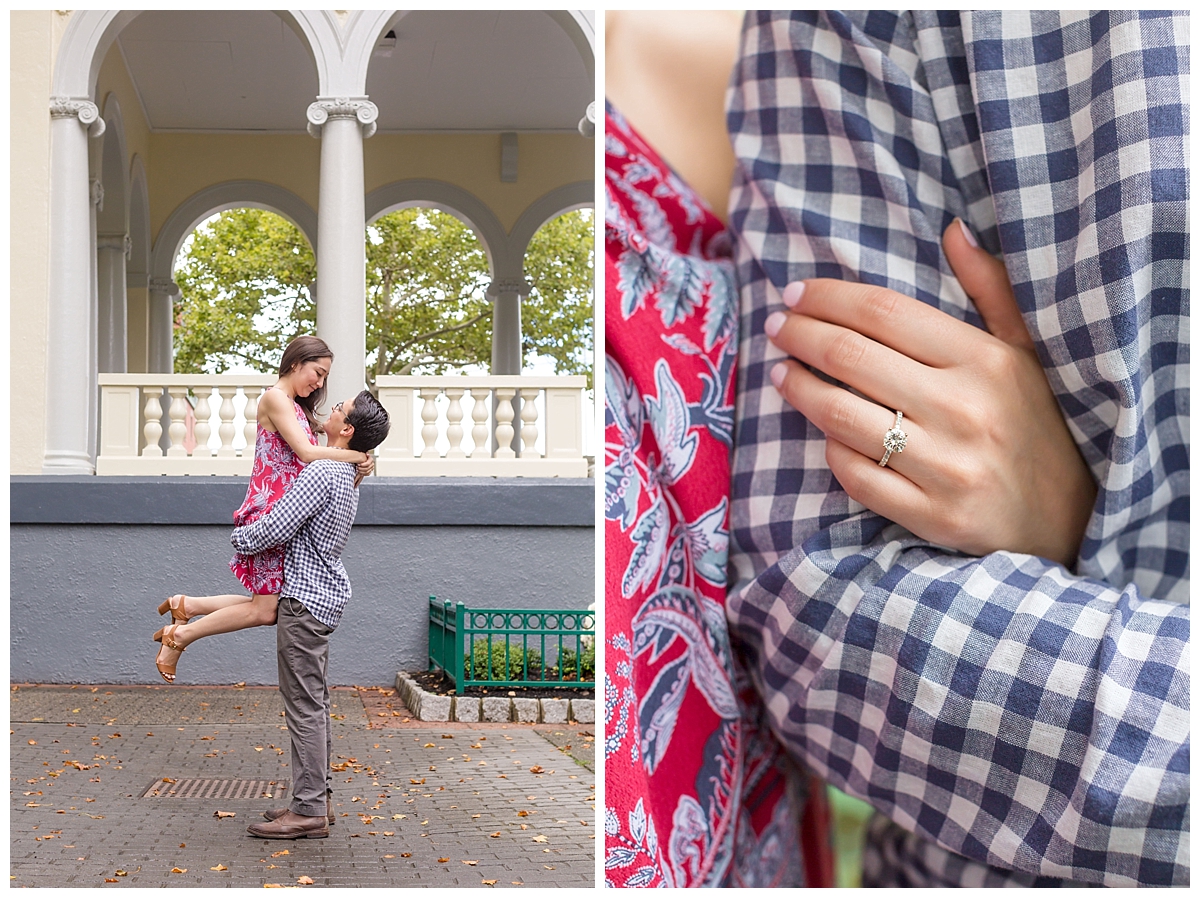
<point x="967" y="234"/>
<point x="774" y="322"/>
<point x="792" y="293"/>
<point x="778" y="373"/>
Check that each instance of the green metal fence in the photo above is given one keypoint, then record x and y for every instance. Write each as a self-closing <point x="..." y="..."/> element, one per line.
<point x="512" y="647"/>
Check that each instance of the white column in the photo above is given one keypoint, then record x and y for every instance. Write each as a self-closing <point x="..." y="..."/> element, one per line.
<point x="507" y="358"/>
<point x="96" y="189"/>
<point x="69" y="390"/>
<point x="111" y="253"/>
<point x="162" y="325"/>
<point x="342" y="124"/>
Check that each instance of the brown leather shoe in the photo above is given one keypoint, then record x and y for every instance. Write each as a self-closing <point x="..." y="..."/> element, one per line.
<point x="290" y="825"/>
<point x="276" y="813"/>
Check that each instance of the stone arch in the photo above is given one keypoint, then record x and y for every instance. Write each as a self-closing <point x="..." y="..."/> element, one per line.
<point x="452" y="200"/>
<point x="579" y="195"/>
<point x="218" y="198"/>
<point x="90" y="33"/>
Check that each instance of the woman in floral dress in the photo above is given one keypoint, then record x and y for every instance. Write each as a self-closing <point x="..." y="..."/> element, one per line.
<point x="286" y="442"/>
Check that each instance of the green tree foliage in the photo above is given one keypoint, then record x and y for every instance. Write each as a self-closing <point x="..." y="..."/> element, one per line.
<point x="245" y="282"/>
<point x="245" y="291"/>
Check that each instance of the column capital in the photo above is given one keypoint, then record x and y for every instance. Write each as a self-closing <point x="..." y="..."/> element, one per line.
<point x="164" y="285"/>
<point x="587" y="124"/>
<point x="521" y="286"/>
<point x="96" y="192"/>
<point x="325" y="108"/>
<point x="122" y="242"/>
<point x="81" y="108"/>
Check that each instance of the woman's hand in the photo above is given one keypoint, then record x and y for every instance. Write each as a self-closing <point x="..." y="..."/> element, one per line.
<point x="365" y="468"/>
<point x="989" y="464"/>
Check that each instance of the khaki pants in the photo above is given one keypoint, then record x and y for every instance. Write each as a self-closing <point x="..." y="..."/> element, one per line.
<point x="303" y="647"/>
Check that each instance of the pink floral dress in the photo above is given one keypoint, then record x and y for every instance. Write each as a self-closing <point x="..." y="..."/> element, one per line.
<point x="696" y="787"/>
<point x="275" y="468"/>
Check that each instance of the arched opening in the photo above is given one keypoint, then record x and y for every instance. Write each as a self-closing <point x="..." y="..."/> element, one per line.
<point x="558" y="315"/>
<point x="427" y="309"/>
<point x="246" y="278"/>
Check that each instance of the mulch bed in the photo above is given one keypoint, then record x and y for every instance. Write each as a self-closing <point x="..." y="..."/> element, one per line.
<point x="433" y="681"/>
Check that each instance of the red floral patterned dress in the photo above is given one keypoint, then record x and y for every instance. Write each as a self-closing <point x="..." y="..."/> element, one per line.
<point x="696" y="787"/>
<point x="275" y="468"/>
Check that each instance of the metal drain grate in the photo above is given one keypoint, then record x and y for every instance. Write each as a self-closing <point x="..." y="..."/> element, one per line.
<point x="230" y="790"/>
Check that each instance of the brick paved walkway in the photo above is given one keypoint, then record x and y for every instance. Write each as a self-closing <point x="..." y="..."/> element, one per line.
<point x="414" y="801"/>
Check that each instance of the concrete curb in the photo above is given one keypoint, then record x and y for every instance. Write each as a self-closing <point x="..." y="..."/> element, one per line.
<point x="427" y="706"/>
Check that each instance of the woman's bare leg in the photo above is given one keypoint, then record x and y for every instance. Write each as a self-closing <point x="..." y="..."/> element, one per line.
<point x="197" y="605"/>
<point x="255" y="611"/>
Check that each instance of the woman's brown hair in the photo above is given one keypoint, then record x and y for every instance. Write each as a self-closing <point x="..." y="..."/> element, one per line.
<point x="306" y="349"/>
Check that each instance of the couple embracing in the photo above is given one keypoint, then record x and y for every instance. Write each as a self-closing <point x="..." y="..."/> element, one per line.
<point x="288" y="540"/>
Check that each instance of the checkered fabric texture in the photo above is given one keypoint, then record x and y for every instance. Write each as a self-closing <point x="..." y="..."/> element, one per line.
<point x="313" y="519"/>
<point x="1019" y="715"/>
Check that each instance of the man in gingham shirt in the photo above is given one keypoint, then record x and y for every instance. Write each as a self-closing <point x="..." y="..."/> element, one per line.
<point x="1020" y="723"/>
<point x="313" y="520"/>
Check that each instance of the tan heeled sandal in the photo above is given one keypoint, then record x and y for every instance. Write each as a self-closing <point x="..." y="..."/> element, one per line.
<point x="166" y="636"/>
<point x="178" y="614"/>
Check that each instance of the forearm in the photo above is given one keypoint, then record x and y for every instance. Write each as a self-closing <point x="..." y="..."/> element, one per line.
<point x="999" y="706"/>
<point x="279" y="525"/>
<point x="309" y="453"/>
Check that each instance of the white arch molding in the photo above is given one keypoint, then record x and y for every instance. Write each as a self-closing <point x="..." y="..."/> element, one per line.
<point x="448" y="198"/>
<point x="567" y="198"/>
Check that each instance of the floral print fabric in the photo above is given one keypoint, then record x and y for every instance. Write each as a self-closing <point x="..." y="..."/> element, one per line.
<point x="275" y="468"/>
<point x="695" y="787"/>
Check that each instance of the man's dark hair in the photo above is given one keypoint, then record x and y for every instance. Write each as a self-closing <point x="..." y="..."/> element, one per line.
<point x="370" y="422"/>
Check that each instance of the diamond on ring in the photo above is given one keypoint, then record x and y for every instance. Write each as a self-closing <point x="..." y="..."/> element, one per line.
<point x="894" y="440"/>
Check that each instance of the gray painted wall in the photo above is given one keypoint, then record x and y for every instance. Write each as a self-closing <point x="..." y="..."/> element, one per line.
<point x="84" y="595"/>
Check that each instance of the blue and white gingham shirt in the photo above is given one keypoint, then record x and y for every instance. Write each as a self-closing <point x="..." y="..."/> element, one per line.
<point x="313" y="519"/>
<point x="1009" y="712"/>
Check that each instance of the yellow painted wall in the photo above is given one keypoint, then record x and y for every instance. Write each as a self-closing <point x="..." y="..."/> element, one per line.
<point x="32" y="40"/>
<point x="181" y="165"/>
<point x="472" y="161"/>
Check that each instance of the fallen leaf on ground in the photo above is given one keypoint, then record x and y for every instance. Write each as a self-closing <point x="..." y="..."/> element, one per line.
<point x="443" y="860"/>
<point x="495" y="835"/>
<point x="280" y="853"/>
<point x="179" y="869"/>
<point x="522" y="813"/>
<point x="540" y="839"/>
<point x="470" y="863"/>
<point x="419" y="782"/>
<point x="489" y="882"/>
<point x="305" y="880"/>
<point x="220" y="815"/>
<point x="406" y="854"/>
<point x="536" y="768"/>
<point x="106" y="879"/>
<point x="219" y="867"/>
<point x="476" y="816"/>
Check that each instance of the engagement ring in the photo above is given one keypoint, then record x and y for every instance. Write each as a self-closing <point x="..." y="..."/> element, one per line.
<point x="894" y="440"/>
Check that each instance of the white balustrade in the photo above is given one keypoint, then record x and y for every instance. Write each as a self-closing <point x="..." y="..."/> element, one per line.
<point x="550" y="425"/>
<point x="554" y="403"/>
<point x="131" y="410"/>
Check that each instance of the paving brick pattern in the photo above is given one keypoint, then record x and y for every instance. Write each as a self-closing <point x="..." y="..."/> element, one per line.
<point x="414" y="801"/>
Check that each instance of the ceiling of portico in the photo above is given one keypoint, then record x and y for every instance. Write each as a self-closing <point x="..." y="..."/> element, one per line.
<point x="249" y="71"/>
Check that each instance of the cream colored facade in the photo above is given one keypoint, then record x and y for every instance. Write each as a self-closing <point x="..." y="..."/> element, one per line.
<point x="161" y="173"/>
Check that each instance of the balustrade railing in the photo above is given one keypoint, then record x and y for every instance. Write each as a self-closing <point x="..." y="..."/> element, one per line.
<point x="134" y="406"/>
<point x="209" y="425"/>
<point x="547" y="431"/>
